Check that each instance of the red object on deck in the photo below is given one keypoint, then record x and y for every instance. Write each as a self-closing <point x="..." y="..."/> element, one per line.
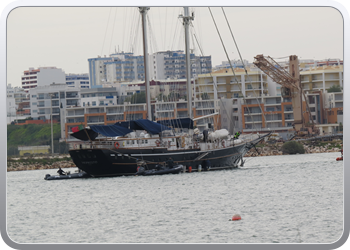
<point x="189" y="169"/>
<point x="339" y="159"/>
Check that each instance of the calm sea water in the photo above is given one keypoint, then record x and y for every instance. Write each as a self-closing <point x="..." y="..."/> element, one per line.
<point x="281" y="199"/>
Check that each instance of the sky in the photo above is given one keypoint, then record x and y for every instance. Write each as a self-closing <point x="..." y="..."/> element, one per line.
<point x="66" y="37"/>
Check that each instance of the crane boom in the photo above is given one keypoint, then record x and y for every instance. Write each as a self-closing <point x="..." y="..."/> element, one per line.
<point x="291" y="86"/>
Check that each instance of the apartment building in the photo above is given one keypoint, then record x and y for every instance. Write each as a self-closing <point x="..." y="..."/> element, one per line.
<point x="42" y="76"/>
<point x="200" y="108"/>
<point x="100" y="115"/>
<point x="51" y="101"/>
<point x="118" y="67"/>
<point x="125" y="67"/>
<point x="172" y="65"/>
<point x="78" y="80"/>
<point x="322" y="78"/>
<point x="334" y="107"/>
<point x="225" y="84"/>
<point x="17" y="106"/>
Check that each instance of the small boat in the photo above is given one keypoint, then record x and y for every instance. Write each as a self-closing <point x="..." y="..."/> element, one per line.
<point x="159" y="170"/>
<point x="67" y="176"/>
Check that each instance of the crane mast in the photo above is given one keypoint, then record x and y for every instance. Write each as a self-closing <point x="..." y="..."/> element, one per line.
<point x="291" y="86"/>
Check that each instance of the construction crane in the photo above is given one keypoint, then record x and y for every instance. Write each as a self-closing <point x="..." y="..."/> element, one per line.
<point x="291" y="88"/>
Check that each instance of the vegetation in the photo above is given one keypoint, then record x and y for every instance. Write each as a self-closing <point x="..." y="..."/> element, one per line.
<point x="293" y="147"/>
<point x="334" y="88"/>
<point x="205" y="96"/>
<point x="34" y="135"/>
<point x="137" y="98"/>
<point x="340" y="128"/>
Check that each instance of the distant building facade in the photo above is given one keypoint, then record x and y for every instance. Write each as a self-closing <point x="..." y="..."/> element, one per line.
<point x="78" y="80"/>
<point x="42" y="76"/>
<point x="125" y="67"/>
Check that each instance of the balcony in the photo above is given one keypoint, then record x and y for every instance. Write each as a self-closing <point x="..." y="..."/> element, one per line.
<point x="73" y="95"/>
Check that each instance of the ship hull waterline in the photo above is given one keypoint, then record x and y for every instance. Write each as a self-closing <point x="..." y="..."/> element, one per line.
<point x="108" y="162"/>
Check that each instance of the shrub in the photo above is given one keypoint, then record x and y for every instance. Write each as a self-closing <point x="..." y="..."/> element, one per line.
<point x="293" y="147"/>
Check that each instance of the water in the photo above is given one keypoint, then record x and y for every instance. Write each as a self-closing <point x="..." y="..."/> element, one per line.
<point x="281" y="199"/>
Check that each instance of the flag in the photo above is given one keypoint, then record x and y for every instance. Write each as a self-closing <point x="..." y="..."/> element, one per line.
<point x="78" y="128"/>
<point x="75" y="129"/>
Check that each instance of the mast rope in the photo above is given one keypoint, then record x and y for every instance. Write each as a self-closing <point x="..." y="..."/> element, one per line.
<point x="240" y="56"/>
<point x="234" y="74"/>
<point x="106" y="31"/>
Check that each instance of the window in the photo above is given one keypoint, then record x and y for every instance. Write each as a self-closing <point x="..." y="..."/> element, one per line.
<point x="93" y="103"/>
<point x="34" y="103"/>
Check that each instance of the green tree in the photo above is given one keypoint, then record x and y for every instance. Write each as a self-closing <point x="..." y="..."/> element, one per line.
<point x="205" y="96"/>
<point x="334" y="88"/>
<point x="137" y="98"/>
<point x="173" y="96"/>
<point x="293" y="147"/>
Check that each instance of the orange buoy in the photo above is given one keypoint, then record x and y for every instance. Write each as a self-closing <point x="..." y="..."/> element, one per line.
<point x="236" y="217"/>
<point x="189" y="169"/>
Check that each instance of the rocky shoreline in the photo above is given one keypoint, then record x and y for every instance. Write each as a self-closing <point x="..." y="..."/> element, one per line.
<point x="276" y="149"/>
<point x="29" y="163"/>
<point x="36" y="163"/>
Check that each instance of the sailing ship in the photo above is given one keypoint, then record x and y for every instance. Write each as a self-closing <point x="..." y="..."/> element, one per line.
<point x="125" y="143"/>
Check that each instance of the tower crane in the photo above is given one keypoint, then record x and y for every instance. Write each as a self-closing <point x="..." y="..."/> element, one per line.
<point x="291" y="88"/>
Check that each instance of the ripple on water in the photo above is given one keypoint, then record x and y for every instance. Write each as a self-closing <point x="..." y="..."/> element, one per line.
<point x="284" y="199"/>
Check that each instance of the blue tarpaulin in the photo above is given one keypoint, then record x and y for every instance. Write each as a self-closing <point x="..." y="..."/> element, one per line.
<point x="178" y="123"/>
<point x="143" y="124"/>
<point x="110" y="130"/>
<point x="120" y="129"/>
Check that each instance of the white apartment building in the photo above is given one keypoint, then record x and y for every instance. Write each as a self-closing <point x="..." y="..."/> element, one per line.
<point x="99" y="97"/>
<point x="53" y="100"/>
<point x="16" y="104"/>
<point x="78" y="80"/>
<point x="125" y="67"/>
<point x="42" y="76"/>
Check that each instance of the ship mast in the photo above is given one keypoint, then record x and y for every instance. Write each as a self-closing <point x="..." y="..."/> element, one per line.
<point x="186" y="21"/>
<point x="143" y="11"/>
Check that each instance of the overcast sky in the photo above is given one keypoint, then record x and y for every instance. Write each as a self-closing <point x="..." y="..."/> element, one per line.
<point x="65" y="37"/>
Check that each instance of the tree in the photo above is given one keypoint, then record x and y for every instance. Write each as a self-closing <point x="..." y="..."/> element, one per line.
<point x="205" y="96"/>
<point x="334" y="88"/>
<point x="173" y="96"/>
<point x="293" y="147"/>
<point x="137" y="98"/>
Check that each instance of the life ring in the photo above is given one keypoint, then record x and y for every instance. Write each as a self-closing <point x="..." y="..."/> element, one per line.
<point x="196" y="145"/>
<point x="157" y="143"/>
<point x="223" y="143"/>
<point x="116" y="145"/>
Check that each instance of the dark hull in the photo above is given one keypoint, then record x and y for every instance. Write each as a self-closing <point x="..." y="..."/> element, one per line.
<point x="69" y="176"/>
<point x="104" y="162"/>
<point x="174" y="170"/>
